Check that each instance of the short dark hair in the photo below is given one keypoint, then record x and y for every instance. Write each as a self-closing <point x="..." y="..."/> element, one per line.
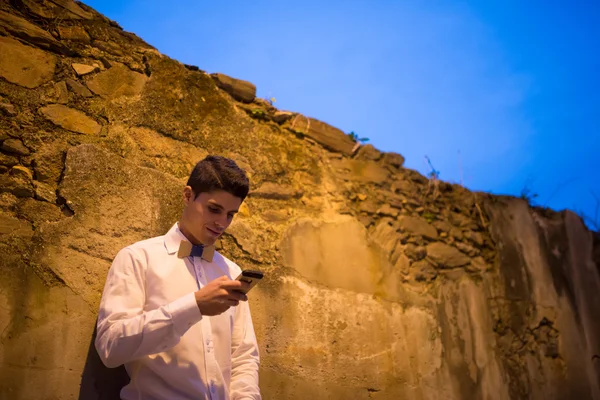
<point x="219" y="173"/>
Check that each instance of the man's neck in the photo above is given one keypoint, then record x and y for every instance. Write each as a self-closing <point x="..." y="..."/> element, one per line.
<point x="188" y="235"/>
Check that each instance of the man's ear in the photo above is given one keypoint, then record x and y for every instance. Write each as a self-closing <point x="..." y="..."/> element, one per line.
<point x="188" y="195"/>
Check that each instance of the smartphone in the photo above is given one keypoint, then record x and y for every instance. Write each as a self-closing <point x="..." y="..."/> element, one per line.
<point x="250" y="277"/>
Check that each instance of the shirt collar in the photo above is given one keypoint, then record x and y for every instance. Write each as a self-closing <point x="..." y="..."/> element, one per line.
<point x="173" y="240"/>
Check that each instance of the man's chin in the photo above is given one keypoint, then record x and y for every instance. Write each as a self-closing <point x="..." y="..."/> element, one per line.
<point x="210" y="240"/>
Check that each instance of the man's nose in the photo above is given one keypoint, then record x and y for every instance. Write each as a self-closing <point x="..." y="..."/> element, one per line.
<point x="221" y="222"/>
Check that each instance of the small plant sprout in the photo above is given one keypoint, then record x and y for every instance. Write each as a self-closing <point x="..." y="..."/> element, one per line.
<point x="434" y="182"/>
<point x="270" y="99"/>
<point x="527" y="194"/>
<point x="356" y="138"/>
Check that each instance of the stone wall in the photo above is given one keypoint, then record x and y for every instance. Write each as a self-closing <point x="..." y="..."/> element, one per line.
<point x="379" y="282"/>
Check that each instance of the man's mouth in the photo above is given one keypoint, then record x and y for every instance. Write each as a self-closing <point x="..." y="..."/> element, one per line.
<point x="213" y="232"/>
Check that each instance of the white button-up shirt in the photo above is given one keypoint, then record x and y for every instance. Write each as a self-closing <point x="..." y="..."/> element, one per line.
<point x="149" y="321"/>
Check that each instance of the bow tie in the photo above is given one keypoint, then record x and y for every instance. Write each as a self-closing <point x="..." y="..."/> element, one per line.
<point x="187" y="249"/>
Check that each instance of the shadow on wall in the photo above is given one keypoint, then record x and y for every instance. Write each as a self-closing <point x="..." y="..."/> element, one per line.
<point x="99" y="382"/>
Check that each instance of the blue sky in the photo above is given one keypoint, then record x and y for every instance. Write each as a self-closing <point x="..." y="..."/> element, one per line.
<point x="500" y="95"/>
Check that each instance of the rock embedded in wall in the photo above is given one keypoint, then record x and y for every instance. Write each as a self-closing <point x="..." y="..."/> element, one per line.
<point x="240" y="90"/>
<point x="24" y="65"/>
<point x="71" y="119"/>
<point x="117" y="81"/>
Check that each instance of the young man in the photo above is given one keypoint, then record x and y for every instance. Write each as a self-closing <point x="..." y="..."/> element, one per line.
<point x="171" y="309"/>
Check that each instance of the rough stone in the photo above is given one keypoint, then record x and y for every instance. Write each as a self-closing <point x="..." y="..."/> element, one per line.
<point x="368" y="152"/>
<point x="102" y="188"/>
<point x="78" y="88"/>
<point x="445" y="226"/>
<point x="45" y="192"/>
<point x="48" y="162"/>
<point x="275" y="216"/>
<point x="424" y="271"/>
<point x="117" y="81"/>
<point x="75" y="33"/>
<point x="15" y="146"/>
<point x="62" y="94"/>
<point x="244" y="236"/>
<point x="477" y="265"/>
<point x="7" y="160"/>
<point x="417" y="226"/>
<point x="361" y="171"/>
<point x="108" y="47"/>
<point x="387" y="210"/>
<point x="366" y="220"/>
<point x="460" y="220"/>
<point x="24" y="65"/>
<point x="282" y="116"/>
<point x="238" y="89"/>
<point x="57" y="9"/>
<point x="8" y="109"/>
<point x="402" y="187"/>
<point x="13" y="226"/>
<point x="8" y="201"/>
<point x="415" y="253"/>
<point x="38" y="212"/>
<point x="445" y="256"/>
<point x="150" y="148"/>
<point x="71" y="119"/>
<point x="328" y="136"/>
<point x="474" y="237"/>
<point x="403" y="264"/>
<point x="384" y="235"/>
<point x="16" y="186"/>
<point x="467" y="249"/>
<point x="308" y="245"/>
<point x="442" y="226"/>
<point x="269" y="190"/>
<point x="29" y="32"/>
<point x="394" y="159"/>
<point x="84" y="69"/>
<point x="20" y="172"/>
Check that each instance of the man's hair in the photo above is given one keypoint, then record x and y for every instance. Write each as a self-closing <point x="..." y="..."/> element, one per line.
<point x="219" y="173"/>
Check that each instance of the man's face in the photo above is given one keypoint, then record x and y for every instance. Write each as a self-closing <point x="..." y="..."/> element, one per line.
<point x="206" y="217"/>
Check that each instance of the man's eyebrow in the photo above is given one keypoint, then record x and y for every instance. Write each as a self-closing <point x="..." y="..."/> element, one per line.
<point x="215" y="204"/>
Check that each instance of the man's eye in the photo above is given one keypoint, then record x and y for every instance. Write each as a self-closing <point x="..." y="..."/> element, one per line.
<point x="213" y="210"/>
<point x="230" y="216"/>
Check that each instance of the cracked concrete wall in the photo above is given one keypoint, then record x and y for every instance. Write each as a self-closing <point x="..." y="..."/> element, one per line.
<point x="379" y="282"/>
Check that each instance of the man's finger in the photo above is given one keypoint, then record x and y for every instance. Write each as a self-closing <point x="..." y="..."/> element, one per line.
<point x="239" y="296"/>
<point x="232" y="284"/>
<point x="245" y="285"/>
<point x="232" y="303"/>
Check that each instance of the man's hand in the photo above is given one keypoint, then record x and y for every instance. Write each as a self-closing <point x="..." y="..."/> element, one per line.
<point x="220" y="294"/>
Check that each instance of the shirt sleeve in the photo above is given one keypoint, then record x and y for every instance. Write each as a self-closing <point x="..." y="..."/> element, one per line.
<point x="124" y="331"/>
<point x="245" y="358"/>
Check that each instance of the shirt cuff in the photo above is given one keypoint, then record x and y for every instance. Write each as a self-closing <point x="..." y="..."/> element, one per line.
<point x="184" y="313"/>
